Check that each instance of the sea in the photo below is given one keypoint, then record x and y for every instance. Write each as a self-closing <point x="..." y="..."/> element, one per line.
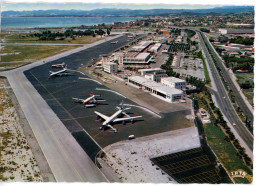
<point x="51" y="22"/>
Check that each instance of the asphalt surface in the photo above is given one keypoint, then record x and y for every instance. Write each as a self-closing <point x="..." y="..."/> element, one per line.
<point x="239" y="99"/>
<point x="72" y="160"/>
<point x="81" y="121"/>
<point x="66" y="158"/>
<point x="224" y="102"/>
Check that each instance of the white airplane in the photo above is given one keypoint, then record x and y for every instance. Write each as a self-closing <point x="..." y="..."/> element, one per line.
<point x="88" y="102"/>
<point x="62" y="72"/>
<point x="114" y="118"/>
<point x="62" y="65"/>
<point x="114" y="42"/>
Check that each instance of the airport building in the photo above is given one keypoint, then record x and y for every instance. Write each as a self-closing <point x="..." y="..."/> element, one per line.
<point x="132" y="58"/>
<point x="235" y="31"/>
<point x="174" y="82"/>
<point x="151" y="71"/>
<point x="136" y="58"/>
<point x="159" y="90"/>
<point x="141" y="46"/>
<point x="110" y="67"/>
<point x="156" y="76"/>
<point x="155" y="48"/>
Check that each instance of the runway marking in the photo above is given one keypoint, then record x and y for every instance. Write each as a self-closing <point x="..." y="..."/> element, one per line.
<point x="90" y="80"/>
<point x="77" y="123"/>
<point x="67" y="119"/>
<point x="60" y="146"/>
<point x="146" y="109"/>
<point x="62" y="89"/>
<point x="111" y="91"/>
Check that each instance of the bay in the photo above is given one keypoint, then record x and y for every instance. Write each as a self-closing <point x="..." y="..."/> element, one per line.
<point x="50" y="22"/>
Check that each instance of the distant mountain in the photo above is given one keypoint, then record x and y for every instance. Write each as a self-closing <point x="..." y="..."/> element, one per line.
<point x="126" y="12"/>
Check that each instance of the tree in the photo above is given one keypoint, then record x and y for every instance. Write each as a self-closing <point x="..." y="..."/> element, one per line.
<point x="108" y="32"/>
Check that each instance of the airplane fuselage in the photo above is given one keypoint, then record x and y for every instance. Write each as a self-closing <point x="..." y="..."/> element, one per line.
<point x="111" y="118"/>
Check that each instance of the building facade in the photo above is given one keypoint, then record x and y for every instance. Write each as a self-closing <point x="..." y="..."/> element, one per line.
<point x="110" y="67"/>
<point x="159" y="90"/>
<point x="174" y="82"/>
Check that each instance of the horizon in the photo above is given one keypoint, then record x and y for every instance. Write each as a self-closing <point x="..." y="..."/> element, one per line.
<point x="94" y="6"/>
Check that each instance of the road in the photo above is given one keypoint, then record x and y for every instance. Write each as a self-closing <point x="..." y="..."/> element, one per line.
<point x="67" y="160"/>
<point x="237" y="93"/>
<point x="225" y="104"/>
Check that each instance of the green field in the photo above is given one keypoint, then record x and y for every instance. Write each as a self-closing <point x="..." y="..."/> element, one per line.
<point x="249" y="93"/>
<point x="31" y="52"/>
<point x="24" y="38"/>
<point x="226" y="152"/>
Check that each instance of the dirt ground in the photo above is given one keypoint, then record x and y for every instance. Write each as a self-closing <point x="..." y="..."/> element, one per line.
<point x="17" y="160"/>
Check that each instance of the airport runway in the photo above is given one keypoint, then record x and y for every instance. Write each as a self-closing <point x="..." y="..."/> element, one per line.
<point x="66" y="158"/>
<point x="81" y="121"/>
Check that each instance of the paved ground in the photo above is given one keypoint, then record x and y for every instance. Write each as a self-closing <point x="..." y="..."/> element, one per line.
<point x="131" y="159"/>
<point x="52" y="134"/>
<point x="226" y="107"/>
<point x="66" y="158"/>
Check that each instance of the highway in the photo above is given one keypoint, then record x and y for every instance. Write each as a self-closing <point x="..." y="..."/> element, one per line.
<point x="225" y="104"/>
<point x="239" y="100"/>
<point x="67" y="160"/>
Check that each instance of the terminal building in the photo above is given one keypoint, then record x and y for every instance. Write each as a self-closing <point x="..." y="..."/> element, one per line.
<point x="132" y="58"/>
<point x="155" y="48"/>
<point x="154" y="74"/>
<point x="141" y="46"/>
<point x="174" y="82"/>
<point x="159" y="90"/>
<point x="151" y="71"/>
<point x="137" y="58"/>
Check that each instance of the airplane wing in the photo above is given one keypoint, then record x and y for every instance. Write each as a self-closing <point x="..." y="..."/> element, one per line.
<point x="126" y="119"/>
<point x="51" y="72"/>
<point x="89" y="105"/>
<point x="78" y="99"/>
<point x="101" y="115"/>
<point x="112" y="128"/>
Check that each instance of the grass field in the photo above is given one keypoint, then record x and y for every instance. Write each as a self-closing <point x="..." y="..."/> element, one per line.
<point x="249" y="93"/>
<point x="31" y="53"/>
<point x="24" y="38"/>
<point x="226" y="152"/>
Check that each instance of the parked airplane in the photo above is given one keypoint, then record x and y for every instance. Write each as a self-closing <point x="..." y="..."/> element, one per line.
<point x="88" y="102"/>
<point x="114" y="118"/>
<point x="114" y="42"/>
<point x="62" y="65"/>
<point x="62" y="72"/>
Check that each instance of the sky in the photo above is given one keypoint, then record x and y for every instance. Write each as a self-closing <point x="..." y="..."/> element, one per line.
<point x="80" y="6"/>
<point x="20" y="5"/>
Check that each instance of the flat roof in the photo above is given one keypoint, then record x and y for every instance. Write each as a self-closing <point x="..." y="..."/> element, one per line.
<point x="143" y="55"/>
<point x="150" y="69"/>
<point x="174" y="80"/>
<point x="157" y="86"/>
<point x="109" y="63"/>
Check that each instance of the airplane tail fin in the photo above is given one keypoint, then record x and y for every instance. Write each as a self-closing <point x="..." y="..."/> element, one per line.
<point x="122" y="107"/>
